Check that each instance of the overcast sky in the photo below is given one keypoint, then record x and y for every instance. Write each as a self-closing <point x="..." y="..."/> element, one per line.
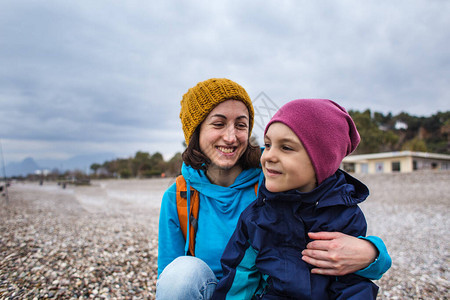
<point x="82" y="77"/>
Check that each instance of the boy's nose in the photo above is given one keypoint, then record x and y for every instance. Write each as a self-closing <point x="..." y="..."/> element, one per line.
<point x="270" y="155"/>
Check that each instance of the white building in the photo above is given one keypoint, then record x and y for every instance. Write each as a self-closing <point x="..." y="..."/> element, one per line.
<point x="400" y="161"/>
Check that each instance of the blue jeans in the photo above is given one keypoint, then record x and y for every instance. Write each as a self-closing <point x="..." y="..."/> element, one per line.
<point x="186" y="277"/>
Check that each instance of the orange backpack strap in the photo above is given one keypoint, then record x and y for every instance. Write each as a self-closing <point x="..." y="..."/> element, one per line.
<point x="182" y="211"/>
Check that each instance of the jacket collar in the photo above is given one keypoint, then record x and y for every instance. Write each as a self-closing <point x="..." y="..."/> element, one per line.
<point x="338" y="189"/>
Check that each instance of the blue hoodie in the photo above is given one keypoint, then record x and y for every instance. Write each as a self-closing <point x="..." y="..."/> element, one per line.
<point x="219" y="211"/>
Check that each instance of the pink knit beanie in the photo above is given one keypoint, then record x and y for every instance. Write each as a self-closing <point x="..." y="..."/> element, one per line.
<point x="325" y="129"/>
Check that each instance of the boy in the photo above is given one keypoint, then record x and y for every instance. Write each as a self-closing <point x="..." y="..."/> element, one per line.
<point x="303" y="191"/>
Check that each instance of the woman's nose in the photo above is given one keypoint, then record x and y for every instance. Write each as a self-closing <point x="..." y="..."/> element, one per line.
<point x="230" y="135"/>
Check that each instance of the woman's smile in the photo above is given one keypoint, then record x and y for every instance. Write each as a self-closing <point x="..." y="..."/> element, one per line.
<point x="226" y="150"/>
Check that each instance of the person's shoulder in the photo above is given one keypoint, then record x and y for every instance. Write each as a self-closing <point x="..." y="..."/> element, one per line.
<point x="171" y="191"/>
<point x="252" y="210"/>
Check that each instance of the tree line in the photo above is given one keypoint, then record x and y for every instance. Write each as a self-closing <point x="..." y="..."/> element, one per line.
<point x="379" y="133"/>
<point x="384" y="133"/>
<point x="142" y="165"/>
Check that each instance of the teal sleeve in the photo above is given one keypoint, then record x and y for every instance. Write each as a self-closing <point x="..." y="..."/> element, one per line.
<point x="383" y="262"/>
<point x="246" y="278"/>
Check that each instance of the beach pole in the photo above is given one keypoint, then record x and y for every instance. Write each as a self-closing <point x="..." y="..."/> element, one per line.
<point x="4" y="172"/>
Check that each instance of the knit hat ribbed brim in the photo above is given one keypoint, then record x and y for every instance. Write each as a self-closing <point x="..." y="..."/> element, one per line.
<point x="200" y="100"/>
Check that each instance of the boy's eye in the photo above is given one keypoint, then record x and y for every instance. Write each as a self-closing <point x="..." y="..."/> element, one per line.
<point x="287" y="148"/>
<point x="266" y="145"/>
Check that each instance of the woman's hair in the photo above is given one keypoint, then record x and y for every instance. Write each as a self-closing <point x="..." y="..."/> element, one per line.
<point x="194" y="157"/>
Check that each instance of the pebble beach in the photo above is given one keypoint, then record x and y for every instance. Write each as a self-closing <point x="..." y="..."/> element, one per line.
<point x="101" y="241"/>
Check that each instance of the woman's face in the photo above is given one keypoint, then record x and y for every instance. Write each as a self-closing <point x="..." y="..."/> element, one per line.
<point x="224" y="134"/>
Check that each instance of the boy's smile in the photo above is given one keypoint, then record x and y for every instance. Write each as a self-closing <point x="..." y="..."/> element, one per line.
<point x="272" y="172"/>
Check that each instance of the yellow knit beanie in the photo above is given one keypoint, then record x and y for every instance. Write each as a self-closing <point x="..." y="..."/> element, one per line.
<point x="200" y="100"/>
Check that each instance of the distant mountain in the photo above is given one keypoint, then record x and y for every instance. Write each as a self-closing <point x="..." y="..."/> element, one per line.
<point x="79" y="162"/>
<point x="27" y="166"/>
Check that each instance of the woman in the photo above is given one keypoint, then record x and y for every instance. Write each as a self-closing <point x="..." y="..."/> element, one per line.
<point x="220" y="163"/>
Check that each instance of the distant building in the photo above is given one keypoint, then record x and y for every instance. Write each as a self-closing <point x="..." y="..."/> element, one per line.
<point x="400" y="161"/>
<point x="400" y="125"/>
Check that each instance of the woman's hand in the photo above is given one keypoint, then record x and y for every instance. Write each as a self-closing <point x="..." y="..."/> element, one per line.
<point x="336" y="254"/>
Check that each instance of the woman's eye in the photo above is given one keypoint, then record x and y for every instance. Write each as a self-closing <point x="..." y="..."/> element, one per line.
<point x="241" y="126"/>
<point x="267" y="145"/>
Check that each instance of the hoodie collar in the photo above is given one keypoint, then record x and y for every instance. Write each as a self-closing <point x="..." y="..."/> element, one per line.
<point x="199" y="181"/>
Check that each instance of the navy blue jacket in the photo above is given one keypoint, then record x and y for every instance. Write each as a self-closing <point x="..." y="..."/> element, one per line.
<point x="263" y="257"/>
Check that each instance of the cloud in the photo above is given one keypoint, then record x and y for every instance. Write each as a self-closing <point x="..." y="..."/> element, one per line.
<point x="105" y="75"/>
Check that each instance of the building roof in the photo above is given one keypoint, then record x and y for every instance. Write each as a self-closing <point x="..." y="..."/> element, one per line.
<point x="355" y="158"/>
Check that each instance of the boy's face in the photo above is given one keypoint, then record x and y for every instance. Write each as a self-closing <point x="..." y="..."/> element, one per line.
<point x="285" y="162"/>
